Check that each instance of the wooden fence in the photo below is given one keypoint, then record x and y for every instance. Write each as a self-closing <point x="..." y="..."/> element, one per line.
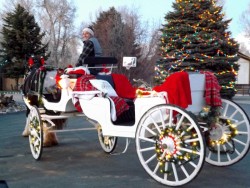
<point x="243" y="89"/>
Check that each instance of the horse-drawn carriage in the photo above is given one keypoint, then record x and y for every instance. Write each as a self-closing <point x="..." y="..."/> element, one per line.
<point x="172" y="143"/>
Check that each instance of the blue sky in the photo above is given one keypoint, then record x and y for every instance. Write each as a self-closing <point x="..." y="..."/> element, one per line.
<point x="156" y="10"/>
<point x="153" y="11"/>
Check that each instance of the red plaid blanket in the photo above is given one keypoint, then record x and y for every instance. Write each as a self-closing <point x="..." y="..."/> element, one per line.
<point x="83" y="84"/>
<point x="212" y="89"/>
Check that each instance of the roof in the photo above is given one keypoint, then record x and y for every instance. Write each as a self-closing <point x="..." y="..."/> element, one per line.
<point x="243" y="56"/>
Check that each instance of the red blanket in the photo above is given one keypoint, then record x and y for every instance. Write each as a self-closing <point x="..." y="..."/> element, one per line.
<point x="123" y="87"/>
<point x="178" y="88"/>
<point x="212" y="89"/>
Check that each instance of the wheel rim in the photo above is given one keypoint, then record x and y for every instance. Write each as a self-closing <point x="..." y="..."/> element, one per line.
<point x="228" y="141"/>
<point x="108" y="143"/>
<point x="170" y="147"/>
<point x="36" y="133"/>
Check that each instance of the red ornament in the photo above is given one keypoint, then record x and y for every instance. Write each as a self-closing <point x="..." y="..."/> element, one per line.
<point x="31" y="62"/>
<point x="42" y="61"/>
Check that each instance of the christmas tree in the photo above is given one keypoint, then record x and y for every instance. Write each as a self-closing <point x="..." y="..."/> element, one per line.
<point x="21" y="39"/>
<point x="195" y="38"/>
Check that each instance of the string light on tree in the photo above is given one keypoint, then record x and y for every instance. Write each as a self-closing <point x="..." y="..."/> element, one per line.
<point x="195" y="38"/>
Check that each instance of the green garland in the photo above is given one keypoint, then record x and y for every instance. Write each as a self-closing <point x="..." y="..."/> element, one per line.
<point x="211" y="116"/>
<point x="34" y="125"/>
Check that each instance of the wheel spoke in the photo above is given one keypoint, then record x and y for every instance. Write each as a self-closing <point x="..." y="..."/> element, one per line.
<point x="192" y="140"/>
<point x="110" y="143"/>
<point x="147" y="139"/>
<point x="166" y="169"/>
<point x="179" y="122"/>
<point x="191" y="163"/>
<point x="209" y="154"/>
<point x="150" y="159"/>
<point x="34" y="133"/>
<point x="189" y="151"/>
<point x="170" y="118"/>
<point x="225" y="110"/>
<point x="235" y="112"/>
<point x="228" y="156"/>
<point x="184" y="170"/>
<point x="150" y="130"/>
<point x="175" y="172"/>
<point x="188" y="129"/>
<point x="242" y="133"/>
<point x="218" y="153"/>
<point x="147" y="149"/>
<point x="157" y="127"/>
<point x="156" y="168"/>
<point x="162" y="119"/>
<point x="240" y="142"/>
<point x="240" y="123"/>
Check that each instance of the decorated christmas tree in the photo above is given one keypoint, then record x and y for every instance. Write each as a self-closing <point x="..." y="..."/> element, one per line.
<point x="195" y="38"/>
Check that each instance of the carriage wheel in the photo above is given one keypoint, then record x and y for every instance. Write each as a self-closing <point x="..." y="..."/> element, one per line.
<point x="108" y="143"/>
<point x="170" y="145"/>
<point x="229" y="140"/>
<point x="36" y="133"/>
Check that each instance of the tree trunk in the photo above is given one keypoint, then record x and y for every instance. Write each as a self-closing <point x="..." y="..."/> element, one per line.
<point x="16" y="88"/>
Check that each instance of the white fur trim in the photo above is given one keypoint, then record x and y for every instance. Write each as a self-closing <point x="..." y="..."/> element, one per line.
<point x="88" y="30"/>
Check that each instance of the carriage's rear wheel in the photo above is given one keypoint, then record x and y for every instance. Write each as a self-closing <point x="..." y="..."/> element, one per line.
<point x="228" y="141"/>
<point x="36" y="133"/>
<point x="108" y="143"/>
<point x="170" y="145"/>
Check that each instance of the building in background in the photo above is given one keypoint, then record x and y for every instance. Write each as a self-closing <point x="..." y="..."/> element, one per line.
<point x="243" y="77"/>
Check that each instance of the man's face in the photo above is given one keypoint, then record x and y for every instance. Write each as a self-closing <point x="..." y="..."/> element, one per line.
<point x="86" y="35"/>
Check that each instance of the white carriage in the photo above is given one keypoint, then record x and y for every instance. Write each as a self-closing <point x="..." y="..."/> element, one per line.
<point x="171" y="142"/>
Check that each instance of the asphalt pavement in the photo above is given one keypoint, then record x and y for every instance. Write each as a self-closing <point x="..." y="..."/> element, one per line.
<point x="78" y="161"/>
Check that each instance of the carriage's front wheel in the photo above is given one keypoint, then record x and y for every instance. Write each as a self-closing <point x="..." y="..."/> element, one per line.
<point x="170" y="145"/>
<point x="108" y="143"/>
<point x="228" y="140"/>
<point x="36" y="133"/>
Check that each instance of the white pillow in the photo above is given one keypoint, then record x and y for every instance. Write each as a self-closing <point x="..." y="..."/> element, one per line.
<point x="104" y="86"/>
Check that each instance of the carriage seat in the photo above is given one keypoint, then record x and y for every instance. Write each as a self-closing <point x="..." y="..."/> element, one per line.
<point x="89" y="66"/>
<point x="97" y="65"/>
<point x="90" y="61"/>
<point x="105" y="84"/>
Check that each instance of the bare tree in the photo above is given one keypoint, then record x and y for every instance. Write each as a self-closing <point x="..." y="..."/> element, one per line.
<point x="245" y="20"/>
<point x="57" y="20"/>
<point x="29" y="5"/>
<point x="146" y="38"/>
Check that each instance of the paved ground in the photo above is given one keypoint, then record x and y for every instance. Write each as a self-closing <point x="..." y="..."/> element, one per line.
<point x="242" y="99"/>
<point x="78" y="161"/>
